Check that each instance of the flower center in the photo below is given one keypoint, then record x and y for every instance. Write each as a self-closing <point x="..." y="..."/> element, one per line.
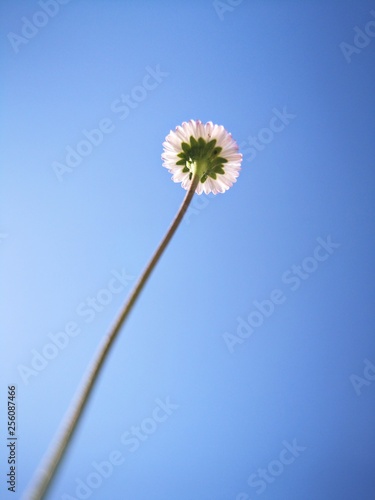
<point x="201" y="157"/>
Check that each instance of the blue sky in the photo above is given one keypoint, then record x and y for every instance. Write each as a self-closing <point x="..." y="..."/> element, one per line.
<point x="247" y="368"/>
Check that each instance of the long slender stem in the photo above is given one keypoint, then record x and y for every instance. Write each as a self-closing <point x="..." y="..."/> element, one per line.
<point x="48" y="468"/>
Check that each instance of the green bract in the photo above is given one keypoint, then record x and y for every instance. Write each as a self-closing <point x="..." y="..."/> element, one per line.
<point x="201" y="157"/>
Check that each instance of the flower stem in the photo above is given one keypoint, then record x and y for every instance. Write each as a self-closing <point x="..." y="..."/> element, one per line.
<point x="53" y="459"/>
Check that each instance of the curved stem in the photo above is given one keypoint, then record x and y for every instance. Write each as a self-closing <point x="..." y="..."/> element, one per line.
<point x="54" y="458"/>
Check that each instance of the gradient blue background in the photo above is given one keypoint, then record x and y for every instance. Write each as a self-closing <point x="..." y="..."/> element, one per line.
<point x="61" y="240"/>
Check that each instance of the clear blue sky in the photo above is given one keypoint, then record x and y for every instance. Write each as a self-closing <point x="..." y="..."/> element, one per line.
<point x="247" y="368"/>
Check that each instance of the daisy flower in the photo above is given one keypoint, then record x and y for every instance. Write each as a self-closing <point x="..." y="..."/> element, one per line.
<point x="204" y="150"/>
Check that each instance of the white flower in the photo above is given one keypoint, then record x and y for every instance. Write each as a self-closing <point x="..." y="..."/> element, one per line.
<point x="206" y="150"/>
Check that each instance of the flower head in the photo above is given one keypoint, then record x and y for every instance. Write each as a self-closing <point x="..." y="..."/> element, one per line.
<point x="204" y="150"/>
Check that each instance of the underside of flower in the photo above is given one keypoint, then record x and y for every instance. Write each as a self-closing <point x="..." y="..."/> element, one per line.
<point x="201" y="157"/>
<point x="204" y="150"/>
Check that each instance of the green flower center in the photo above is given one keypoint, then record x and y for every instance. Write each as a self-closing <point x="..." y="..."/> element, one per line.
<point x="201" y="157"/>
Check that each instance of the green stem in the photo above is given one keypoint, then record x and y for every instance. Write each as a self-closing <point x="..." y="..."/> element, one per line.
<point x="53" y="459"/>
